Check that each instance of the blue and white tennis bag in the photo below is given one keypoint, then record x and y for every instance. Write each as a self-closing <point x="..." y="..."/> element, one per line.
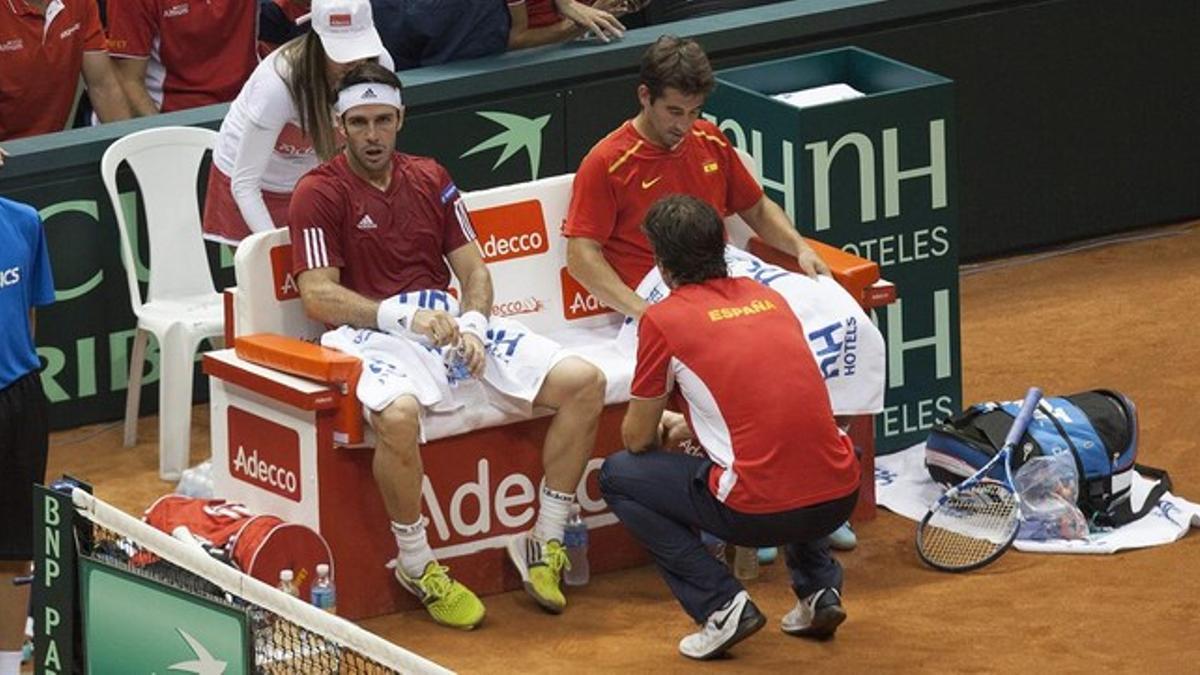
<point x="1098" y="427"/>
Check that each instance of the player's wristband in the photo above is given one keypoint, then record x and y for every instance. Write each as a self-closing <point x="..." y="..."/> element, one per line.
<point x="394" y="316"/>
<point x="474" y="323"/>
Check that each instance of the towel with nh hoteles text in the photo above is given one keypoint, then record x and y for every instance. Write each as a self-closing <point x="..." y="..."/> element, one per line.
<point x="847" y="346"/>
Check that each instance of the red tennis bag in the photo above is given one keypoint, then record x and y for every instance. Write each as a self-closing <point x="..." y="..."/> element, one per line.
<point x="259" y="545"/>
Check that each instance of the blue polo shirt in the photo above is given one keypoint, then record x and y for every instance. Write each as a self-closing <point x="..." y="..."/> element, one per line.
<point x="25" y="282"/>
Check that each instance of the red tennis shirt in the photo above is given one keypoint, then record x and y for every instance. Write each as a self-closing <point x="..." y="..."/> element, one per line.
<point x="41" y="57"/>
<point x="200" y="51"/>
<point x="766" y="423"/>
<point x="624" y="174"/>
<point x="385" y="242"/>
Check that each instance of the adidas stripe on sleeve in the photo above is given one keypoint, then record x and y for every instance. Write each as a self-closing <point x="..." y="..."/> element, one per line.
<point x="315" y="222"/>
<point x="316" y="254"/>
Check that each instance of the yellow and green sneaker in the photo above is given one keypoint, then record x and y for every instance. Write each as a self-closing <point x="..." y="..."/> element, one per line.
<point x="541" y="565"/>
<point x="448" y="602"/>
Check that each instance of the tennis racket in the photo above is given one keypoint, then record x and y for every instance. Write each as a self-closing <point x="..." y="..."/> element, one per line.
<point x="977" y="520"/>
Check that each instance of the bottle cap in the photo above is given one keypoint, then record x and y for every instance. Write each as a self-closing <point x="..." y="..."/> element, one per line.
<point x="286" y="575"/>
<point x="322" y="569"/>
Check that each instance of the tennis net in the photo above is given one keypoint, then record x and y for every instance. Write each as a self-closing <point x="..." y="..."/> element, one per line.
<point x="287" y="634"/>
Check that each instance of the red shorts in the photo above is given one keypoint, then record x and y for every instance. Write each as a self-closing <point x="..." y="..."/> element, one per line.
<point x="223" y="220"/>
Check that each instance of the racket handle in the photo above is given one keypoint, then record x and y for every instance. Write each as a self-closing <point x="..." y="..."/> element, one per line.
<point x="1032" y="397"/>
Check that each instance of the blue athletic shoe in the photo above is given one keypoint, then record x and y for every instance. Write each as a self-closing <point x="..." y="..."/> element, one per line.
<point x="766" y="556"/>
<point x="843" y="538"/>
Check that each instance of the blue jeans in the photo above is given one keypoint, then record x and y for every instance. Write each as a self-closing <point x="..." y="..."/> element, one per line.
<point x="664" y="500"/>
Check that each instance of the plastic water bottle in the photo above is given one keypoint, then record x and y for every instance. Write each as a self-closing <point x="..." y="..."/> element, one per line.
<point x="575" y="539"/>
<point x="456" y="365"/>
<point x="324" y="594"/>
<point x="745" y="563"/>
<point x="196" y="481"/>
<point x="287" y="583"/>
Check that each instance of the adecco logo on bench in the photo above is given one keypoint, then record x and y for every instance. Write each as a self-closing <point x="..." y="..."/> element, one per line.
<point x="477" y="505"/>
<point x="511" y="231"/>
<point x="578" y="302"/>
<point x="264" y="454"/>
<point x="281" y="271"/>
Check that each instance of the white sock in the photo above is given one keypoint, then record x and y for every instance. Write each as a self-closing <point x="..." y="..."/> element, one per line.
<point x="10" y="663"/>
<point x="553" y="510"/>
<point x="414" y="552"/>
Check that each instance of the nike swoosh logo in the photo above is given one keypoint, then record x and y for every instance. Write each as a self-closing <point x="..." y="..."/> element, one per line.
<point x="720" y="623"/>
<point x="647" y="184"/>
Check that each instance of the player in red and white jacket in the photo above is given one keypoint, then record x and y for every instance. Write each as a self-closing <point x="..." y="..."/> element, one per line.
<point x="777" y="470"/>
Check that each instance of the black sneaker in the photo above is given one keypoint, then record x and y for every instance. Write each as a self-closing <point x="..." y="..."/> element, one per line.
<point x="816" y="616"/>
<point x="735" y="621"/>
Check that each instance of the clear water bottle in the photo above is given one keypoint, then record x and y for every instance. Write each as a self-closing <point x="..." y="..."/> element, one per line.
<point x="575" y="539"/>
<point x="196" y="481"/>
<point x="324" y="594"/>
<point x="279" y="636"/>
<point x="745" y="563"/>
<point x="456" y="365"/>
<point x="287" y="583"/>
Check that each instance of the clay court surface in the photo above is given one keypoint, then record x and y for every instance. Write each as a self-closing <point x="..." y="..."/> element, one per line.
<point x="1119" y="316"/>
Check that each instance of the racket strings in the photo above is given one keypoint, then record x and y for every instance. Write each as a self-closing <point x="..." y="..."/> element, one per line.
<point x="970" y="527"/>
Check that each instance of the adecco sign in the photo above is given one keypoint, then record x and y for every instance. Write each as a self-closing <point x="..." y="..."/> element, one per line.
<point x="264" y="454"/>
<point x="511" y="231"/>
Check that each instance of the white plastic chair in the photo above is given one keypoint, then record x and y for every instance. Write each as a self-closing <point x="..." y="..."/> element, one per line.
<point x="181" y="307"/>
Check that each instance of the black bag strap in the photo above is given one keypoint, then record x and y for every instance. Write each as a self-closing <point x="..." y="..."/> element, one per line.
<point x="1125" y="513"/>
<point x="1162" y="487"/>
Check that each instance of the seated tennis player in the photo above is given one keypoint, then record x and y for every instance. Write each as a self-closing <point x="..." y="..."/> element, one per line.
<point x="777" y="472"/>
<point x="376" y="234"/>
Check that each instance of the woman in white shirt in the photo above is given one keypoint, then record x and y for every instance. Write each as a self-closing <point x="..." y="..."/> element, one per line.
<point x="280" y="126"/>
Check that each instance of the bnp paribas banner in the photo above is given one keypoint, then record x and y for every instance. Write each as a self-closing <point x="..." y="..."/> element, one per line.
<point x="871" y="170"/>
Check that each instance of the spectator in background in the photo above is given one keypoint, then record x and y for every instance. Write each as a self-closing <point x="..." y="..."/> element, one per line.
<point x="279" y="126"/>
<point x="421" y="33"/>
<point x="429" y="32"/>
<point x="178" y="54"/>
<point x="541" y="22"/>
<point x="280" y="21"/>
<point x="45" y="45"/>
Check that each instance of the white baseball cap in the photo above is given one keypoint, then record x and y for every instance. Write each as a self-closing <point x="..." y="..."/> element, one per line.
<point x="346" y="28"/>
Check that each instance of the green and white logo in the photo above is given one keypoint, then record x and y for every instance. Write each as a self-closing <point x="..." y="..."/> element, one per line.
<point x="520" y="133"/>
<point x="136" y="626"/>
<point x="203" y="664"/>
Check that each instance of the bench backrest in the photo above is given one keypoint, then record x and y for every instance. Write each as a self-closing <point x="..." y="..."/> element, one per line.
<point x="519" y="231"/>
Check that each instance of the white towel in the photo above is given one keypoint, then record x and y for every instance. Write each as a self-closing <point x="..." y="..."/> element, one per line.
<point x="849" y="349"/>
<point x="518" y="361"/>
<point x="903" y="486"/>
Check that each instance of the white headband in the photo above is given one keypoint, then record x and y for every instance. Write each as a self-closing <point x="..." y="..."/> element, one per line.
<point x="367" y="93"/>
